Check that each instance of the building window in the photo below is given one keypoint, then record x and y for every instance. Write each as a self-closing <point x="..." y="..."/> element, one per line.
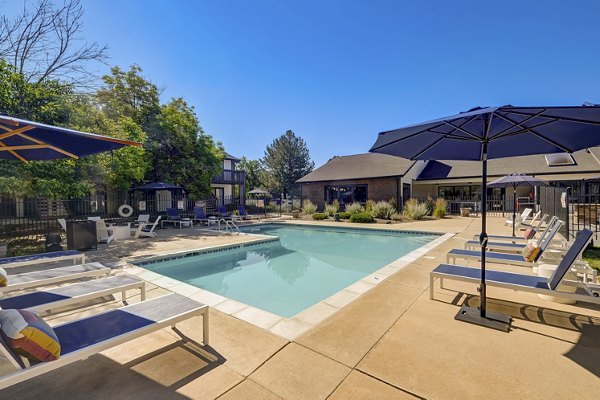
<point x="346" y="194"/>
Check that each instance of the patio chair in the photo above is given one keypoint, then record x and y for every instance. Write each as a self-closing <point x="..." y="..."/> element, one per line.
<point x="516" y="239"/>
<point x="519" y="219"/>
<point x="503" y="258"/>
<point x="50" y="299"/>
<point x="103" y="233"/>
<point x="42" y="258"/>
<point x="526" y="225"/>
<point x="142" y="218"/>
<point x="82" y="338"/>
<point x="200" y="216"/>
<point x="222" y="211"/>
<point x="146" y="229"/>
<point x="55" y="275"/>
<point x="173" y="217"/>
<point x="243" y="213"/>
<point x="515" y="247"/>
<point x="529" y="283"/>
<point x="63" y="223"/>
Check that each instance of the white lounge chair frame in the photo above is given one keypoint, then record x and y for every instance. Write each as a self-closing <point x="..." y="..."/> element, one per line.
<point x="27" y="372"/>
<point x="592" y="289"/>
<point x="55" y="275"/>
<point x="519" y="219"/>
<point x="517" y="239"/>
<point x="78" y="258"/>
<point x="89" y="290"/>
<point x="451" y="258"/>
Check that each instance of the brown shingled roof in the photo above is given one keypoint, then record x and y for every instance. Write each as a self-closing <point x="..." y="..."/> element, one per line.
<point x="359" y="166"/>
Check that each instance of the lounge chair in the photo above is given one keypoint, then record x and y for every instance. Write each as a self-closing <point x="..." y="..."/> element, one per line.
<point x="520" y="219"/>
<point x="503" y="258"/>
<point x="243" y="213"/>
<point x="222" y="211"/>
<point x="526" y="225"/>
<point x="50" y="299"/>
<point x="103" y="233"/>
<point x="529" y="283"/>
<point x="42" y="258"/>
<point x="200" y="216"/>
<point x="549" y="233"/>
<point x="146" y="229"/>
<point x="173" y="217"/>
<point x="55" y="275"/>
<point x="516" y="239"/>
<point x="85" y="337"/>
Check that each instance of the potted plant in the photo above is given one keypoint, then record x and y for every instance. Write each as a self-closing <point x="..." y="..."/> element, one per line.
<point x="464" y="210"/>
<point x="296" y="214"/>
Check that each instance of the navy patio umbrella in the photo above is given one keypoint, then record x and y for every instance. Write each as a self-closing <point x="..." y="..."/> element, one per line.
<point x="26" y="141"/>
<point x="494" y="132"/>
<point x="515" y="180"/>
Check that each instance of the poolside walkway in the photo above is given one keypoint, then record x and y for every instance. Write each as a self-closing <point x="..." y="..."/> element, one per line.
<point x="391" y="343"/>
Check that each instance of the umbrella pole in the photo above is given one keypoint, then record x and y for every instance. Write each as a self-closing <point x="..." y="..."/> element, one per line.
<point x="481" y="316"/>
<point x="514" y="207"/>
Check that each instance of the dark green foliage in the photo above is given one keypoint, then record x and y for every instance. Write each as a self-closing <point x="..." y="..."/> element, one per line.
<point x="345" y="215"/>
<point x="362" y="218"/>
<point x="320" y="216"/>
<point x="286" y="160"/>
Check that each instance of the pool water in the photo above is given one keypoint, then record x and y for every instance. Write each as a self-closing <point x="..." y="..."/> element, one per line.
<point x="304" y="267"/>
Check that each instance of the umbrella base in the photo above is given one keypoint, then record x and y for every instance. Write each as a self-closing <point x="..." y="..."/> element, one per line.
<point x="492" y="320"/>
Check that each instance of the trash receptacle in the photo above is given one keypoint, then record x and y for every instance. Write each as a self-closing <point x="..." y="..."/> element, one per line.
<point x="81" y="235"/>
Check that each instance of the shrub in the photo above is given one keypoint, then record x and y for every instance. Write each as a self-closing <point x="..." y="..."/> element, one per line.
<point x="393" y="202"/>
<point x="354" y="208"/>
<point x="369" y="206"/>
<point x="398" y="217"/>
<point x="308" y="207"/>
<point x="362" y="218"/>
<point x="439" y="210"/>
<point x="345" y="215"/>
<point x="383" y="210"/>
<point x="415" y="210"/>
<point x="332" y="208"/>
<point x="430" y="204"/>
<point x="320" y="216"/>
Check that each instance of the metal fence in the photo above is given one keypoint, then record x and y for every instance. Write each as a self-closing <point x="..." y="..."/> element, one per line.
<point x="496" y="205"/>
<point x="36" y="217"/>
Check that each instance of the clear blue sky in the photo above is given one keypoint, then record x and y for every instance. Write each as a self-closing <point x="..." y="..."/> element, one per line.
<point x="338" y="72"/>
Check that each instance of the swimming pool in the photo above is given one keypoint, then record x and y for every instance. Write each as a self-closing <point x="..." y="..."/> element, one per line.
<point x="305" y="266"/>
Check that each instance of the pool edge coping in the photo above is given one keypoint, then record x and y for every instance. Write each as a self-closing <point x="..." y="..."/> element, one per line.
<point x="292" y="327"/>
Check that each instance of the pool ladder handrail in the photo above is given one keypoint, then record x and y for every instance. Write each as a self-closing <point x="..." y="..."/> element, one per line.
<point x="230" y="226"/>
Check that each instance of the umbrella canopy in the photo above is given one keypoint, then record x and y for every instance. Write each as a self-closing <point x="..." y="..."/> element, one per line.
<point x="258" y="191"/>
<point x="515" y="180"/>
<point x="494" y="132"/>
<point x="31" y="141"/>
<point x="157" y="186"/>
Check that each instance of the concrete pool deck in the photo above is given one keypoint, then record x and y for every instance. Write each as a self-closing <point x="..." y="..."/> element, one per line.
<point x="391" y="343"/>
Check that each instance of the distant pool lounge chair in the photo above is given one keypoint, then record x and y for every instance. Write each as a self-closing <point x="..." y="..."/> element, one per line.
<point x="49" y="299"/>
<point x="548" y="233"/>
<point x="503" y="258"/>
<point x="55" y="275"/>
<point x="519" y="219"/>
<point x="244" y="214"/>
<point x="528" y="224"/>
<point x="222" y="211"/>
<point x="521" y="239"/>
<point x="200" y="216"/>
<point x="173" y="217"/>
<point x="529" y="283"/>
<point x="42" y="258"/>
<point x="87" y="336"/>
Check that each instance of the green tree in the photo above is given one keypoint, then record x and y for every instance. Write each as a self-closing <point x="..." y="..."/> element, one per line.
<point x="254" y="173"/>
<point x="181" y="152"/>
<point x="286" y="160"/>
